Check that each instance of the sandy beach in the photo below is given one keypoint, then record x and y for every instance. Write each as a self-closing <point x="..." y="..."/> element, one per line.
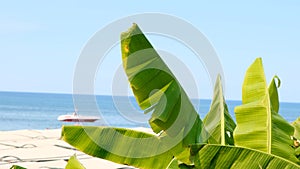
<point x="43" y="149"/>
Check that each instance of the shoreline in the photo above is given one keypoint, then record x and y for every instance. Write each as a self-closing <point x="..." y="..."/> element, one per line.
<point x="36" y="149"/>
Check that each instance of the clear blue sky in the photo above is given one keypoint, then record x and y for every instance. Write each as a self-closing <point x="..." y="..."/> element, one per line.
<point x="42" y="40"/>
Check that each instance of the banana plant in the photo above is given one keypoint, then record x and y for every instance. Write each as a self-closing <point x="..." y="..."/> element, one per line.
<point x="156" y="89"/>
<point x="259" y="126"/>
<point x="218" y="156"/>
<point x="94" y="141"/>
<point x="182" y="139"/>
<point x="218" y="121"/>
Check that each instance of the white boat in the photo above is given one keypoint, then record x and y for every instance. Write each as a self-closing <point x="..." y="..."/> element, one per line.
<point x="77" y="118"/>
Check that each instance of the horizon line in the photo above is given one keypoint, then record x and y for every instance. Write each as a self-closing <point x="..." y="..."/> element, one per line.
<point x="98" y="94"/>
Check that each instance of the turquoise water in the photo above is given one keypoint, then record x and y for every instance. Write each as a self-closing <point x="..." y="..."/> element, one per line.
<point x="40" y="110"/>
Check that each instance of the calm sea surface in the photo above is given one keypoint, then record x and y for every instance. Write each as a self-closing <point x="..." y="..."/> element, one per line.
<point x="40" y="110"/>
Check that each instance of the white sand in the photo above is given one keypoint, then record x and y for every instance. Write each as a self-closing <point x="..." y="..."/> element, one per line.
<point x="42" y="149"/>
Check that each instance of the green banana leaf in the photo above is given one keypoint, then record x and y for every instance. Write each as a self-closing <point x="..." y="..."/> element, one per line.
<point x="157" y="90"/>
<point x="173" y="164"/>
<point x="258" y="125"/>
<point x="122" y="146"/>
<point x="218" y="156"/>
<point x="273" y="92"/>
<point x="218" y="121"/>
<point x="205" y="156"/>
<point x="297" y="152"/>
<point x="73" y="163"/>
<point x="17" y="167"/>
<point x="296" y="125"/>
<point x="296" y="137"/>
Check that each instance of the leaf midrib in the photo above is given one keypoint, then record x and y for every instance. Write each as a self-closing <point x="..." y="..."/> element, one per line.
<point x="222" y="116"/>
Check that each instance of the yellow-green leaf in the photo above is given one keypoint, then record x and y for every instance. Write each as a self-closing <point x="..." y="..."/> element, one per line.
<point x="17" y="167"/>
<point x="218" y="121"/>
<point x="274" y="93"/>
<point x="155" y="88"/>
<point x="296" y="125"/>
<point x="73" y="163"/>
<point x="123" y="146"/>
<point x="218" y="156"/>
<point x="258" y="125"/>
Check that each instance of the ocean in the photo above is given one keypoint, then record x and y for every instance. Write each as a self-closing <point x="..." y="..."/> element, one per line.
<point x="20" y="110"/>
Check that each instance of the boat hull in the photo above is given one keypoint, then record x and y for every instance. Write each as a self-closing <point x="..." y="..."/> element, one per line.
<point x="76" y="118"/>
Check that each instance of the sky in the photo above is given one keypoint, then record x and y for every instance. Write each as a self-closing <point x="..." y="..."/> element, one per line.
<point x="41" y="41"/>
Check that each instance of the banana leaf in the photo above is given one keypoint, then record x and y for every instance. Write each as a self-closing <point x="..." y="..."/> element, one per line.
<point x="122" y="146"/>
<point x="297" y="152"/>
<point x="258" y="125"/>
<point x="17" y="167"/>
<point x="158" y="91"/>
<point x="218" y="121"/>
<point x="218" y="156"/>
<point x="296" y="125"/>
<point x="296" y="137"/>
<point x="173" y="164"/>
<point x="73" y="163"/>
<point x="273" y="92"/>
